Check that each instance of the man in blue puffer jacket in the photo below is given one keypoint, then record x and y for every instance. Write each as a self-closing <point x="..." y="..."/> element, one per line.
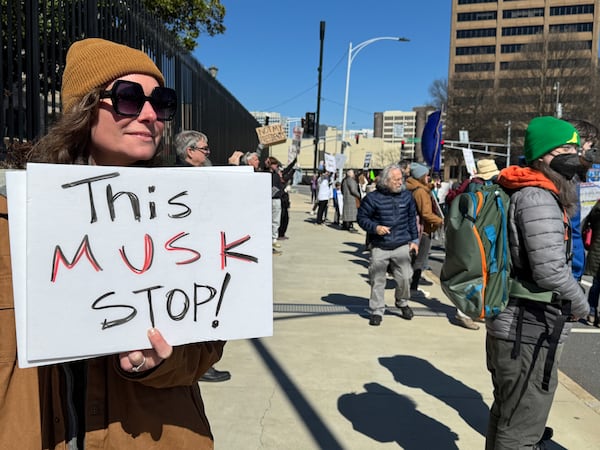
<point x="389" y="216"/>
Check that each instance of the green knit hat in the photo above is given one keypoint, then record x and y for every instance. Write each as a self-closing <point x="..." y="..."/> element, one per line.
<point x="544" y="134"/>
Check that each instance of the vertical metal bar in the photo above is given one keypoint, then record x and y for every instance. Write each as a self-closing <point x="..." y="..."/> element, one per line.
<point x="4" y="78"/>
<point x="32" y="67"/>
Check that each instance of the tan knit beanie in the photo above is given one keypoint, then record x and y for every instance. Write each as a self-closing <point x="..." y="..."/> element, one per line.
<point x="93" y="63"/>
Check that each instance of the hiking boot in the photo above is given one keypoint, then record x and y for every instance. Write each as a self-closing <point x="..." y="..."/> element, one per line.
<point x="375" y="320"/>
<point x="407" y="312"/>
<point x="466" y="322"/>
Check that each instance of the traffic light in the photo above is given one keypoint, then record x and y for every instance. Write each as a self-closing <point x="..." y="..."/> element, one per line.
<point x="266" y="120"/>
<point x="309" y="121"/>
<point x="402" y="144"/>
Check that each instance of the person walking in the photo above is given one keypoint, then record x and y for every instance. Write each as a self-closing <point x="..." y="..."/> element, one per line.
<point x="389" y="217"/>
<point x="323" y="190"/>
<point x="525" y="341"/>
<point x="114" y="108"/>
<point x="351" y="195"/>
<point x="418" y="184"/>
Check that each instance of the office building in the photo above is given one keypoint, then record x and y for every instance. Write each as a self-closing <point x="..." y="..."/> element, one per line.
<point x="398" y="130"/>
<point x="516" y="59"/>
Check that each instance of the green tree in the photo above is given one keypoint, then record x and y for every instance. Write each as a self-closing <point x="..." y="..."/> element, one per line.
<point x="187" y="19"/>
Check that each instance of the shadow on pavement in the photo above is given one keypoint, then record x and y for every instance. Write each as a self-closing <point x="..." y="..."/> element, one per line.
<point x="314" y="424"/>
<point x="386" y="416"/>
<point x="419" y="373"/>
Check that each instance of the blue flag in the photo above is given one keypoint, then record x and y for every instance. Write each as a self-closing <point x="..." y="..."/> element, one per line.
<point x="431" y="141"/>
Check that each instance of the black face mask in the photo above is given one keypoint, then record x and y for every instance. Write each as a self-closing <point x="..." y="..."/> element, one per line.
<point x="569" y="165"/>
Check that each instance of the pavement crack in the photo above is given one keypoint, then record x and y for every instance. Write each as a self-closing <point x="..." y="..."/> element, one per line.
<point x="262" y="418"/>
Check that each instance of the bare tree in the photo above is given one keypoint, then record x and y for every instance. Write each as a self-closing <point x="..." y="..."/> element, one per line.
<point x="549" y="71"/>
<point x="438" y="90"/>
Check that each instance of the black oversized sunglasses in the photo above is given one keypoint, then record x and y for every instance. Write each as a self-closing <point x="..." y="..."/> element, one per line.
<point x="128" y="99"/>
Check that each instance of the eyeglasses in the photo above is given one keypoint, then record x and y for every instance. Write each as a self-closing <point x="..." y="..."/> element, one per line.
<point x="204" y="150"/>
<point x="128" y="99"/>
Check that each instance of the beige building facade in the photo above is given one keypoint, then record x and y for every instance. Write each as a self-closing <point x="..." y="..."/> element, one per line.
<point x="491" y="47"/>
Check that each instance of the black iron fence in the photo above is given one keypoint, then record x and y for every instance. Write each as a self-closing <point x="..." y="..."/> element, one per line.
<point x="35" y="36"/>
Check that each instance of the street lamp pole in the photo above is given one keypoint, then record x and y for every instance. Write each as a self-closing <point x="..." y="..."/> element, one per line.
<point x="352" y="52"/>
<point x="558" y="108"/>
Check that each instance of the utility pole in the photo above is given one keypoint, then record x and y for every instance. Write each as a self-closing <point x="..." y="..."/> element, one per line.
<point x="317" y="118"/>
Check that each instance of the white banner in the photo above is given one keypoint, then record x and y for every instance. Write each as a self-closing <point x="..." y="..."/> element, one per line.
<point x="330" y="165"/>
<point x="102" y="254"/>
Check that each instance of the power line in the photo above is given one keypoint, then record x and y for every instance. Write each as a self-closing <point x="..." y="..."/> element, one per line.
<point x="270" y="108"/>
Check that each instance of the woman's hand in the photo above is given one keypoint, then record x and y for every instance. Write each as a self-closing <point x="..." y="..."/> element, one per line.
<point x="142" y="360"/>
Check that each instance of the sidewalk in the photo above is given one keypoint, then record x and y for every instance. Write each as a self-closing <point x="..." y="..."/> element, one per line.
<point x="328" y="380"/>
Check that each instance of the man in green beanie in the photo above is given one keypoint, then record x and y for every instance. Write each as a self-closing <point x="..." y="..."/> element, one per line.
<point x="525" y="341"/>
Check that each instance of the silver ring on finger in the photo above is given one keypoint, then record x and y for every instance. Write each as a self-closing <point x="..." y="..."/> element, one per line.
<point x="139" y="366"/>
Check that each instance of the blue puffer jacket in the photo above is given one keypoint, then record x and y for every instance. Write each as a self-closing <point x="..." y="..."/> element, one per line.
<point x="397" y="211"/>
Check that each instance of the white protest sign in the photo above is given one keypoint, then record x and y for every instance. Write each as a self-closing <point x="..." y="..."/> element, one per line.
<point x="469" y="161"/>
<point x="589" y="194"/>
<point x="113" y="251"/>
<point x="330" y="163"/>
<point x="340" y="160"/>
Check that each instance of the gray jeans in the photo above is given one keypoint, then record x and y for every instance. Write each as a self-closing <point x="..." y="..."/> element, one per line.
<point x="399" y="262"/>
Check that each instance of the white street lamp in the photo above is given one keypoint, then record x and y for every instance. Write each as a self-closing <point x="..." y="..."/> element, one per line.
<point x="558" y="108"/>
<point x="352" y="52"/>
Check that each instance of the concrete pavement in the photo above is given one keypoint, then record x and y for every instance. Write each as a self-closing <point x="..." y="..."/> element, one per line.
<point x="328" y="380"/>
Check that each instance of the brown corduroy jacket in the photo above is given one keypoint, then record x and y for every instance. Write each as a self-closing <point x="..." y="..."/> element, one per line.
<point x="158" y="409"/>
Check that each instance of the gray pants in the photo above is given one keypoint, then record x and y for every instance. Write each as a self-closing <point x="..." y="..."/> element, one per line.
<point x="399" y="262"/>
<point x="521" y="407"/>
<point x="423" y="255"/>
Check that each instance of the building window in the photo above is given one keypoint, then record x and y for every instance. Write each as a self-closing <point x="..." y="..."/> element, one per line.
<point x="570" y="63"/>
<point x="510" y="48"/>
<point x="471" y="2"/>
<point x="572" y="28"/>
<point x="570" y="45"/>
<point x="474" y="67"/>
<point x="473" y="84"/>
<point x="520" y="31"/>
<point x="520" y="65"/>
<point x="518" y="13"/>
<point x="480" y="15"/>
<point x="478" y="33"/>
<point x="571" y="9"/>
<point x="476" y="50"/>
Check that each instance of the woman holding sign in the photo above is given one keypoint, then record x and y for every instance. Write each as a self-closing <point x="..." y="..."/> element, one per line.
<point x="114" y="107"/>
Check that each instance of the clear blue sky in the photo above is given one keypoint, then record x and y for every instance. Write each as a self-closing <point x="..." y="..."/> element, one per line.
<point x="268" y="57"/>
